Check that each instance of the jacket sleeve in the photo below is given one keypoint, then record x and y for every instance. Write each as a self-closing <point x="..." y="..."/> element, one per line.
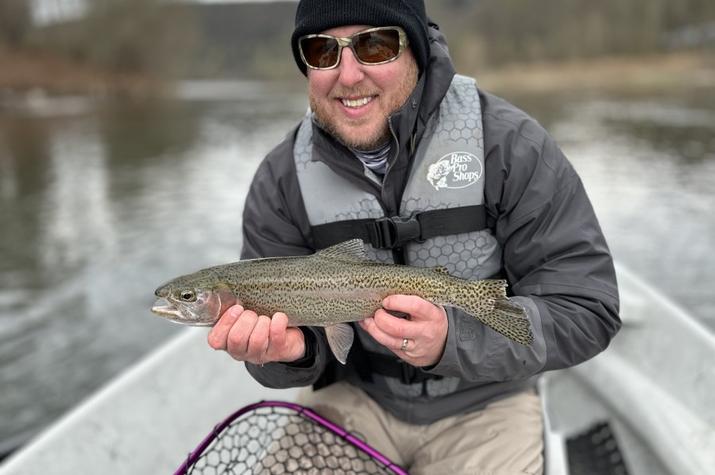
<point x="555" y="259"/>
<point x="274" y="225"/>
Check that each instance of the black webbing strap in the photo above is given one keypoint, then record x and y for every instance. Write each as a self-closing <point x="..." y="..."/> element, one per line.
<point x="393" y="232"/>
<point x="366" y="363"/>
<point x="396" y="368"/>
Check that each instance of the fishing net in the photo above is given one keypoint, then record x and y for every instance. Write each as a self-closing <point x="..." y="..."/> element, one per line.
<point x="274" y="437"/>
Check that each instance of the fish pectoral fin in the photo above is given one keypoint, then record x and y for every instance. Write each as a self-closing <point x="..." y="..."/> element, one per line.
<point x="340" y="339"/>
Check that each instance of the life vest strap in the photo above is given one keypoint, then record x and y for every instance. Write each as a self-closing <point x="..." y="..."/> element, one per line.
<point x="395" y="231"/>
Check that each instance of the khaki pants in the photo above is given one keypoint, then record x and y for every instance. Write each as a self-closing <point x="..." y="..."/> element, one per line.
<point x="506" y="437"/>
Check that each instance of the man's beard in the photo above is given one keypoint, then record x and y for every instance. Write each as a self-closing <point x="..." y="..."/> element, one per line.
<point x="376" y="138"/>
<point x="359" y="143"/>
<point x="366" y="143"/>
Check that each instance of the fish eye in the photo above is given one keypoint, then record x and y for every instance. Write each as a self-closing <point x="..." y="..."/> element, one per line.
<point x="187" y="295"/>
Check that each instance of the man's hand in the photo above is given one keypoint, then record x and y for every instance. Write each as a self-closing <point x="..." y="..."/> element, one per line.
<point x="247" y="336"/>
<point x="425" y="331"/>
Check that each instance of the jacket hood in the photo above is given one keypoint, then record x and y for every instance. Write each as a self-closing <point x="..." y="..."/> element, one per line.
<point x="411" y="118"/>
<point x="439" y="73"/>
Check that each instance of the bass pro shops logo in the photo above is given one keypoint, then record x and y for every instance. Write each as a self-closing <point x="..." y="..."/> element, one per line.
<point x="455" y="170"/>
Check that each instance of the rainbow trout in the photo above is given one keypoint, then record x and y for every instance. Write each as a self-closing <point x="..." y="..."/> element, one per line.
<point x="334" y="286"/>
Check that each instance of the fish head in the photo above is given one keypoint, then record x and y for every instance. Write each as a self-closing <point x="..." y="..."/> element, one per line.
<point x="192" y="301"/>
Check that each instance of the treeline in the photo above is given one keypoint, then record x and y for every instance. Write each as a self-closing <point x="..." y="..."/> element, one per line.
<point x="15" y="22"/>
<point x="253" y="39"/>
<point x="248" y="40"/>
<point x="117" y="36"/>
<point x="494" y="32"/>
<point x="174" y="39"/>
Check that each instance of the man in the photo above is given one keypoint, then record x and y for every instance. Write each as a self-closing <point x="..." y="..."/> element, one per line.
<point x="428" y="170"/>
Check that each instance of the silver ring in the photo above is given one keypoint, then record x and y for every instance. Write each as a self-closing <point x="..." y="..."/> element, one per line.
<point x="404" y="344"/>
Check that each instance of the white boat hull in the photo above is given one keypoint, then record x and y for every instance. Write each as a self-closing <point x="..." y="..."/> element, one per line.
<point x="654" y="385"/>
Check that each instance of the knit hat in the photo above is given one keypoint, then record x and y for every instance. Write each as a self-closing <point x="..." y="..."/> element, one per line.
<point x="315" y="16"/>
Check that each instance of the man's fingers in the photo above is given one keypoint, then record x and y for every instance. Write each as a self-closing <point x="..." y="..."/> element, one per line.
<point x="246" y="336"/>
<point x="239" y="334"/>
<point x="258" y="340"/>
<point x="277" y="333"/>
<point x="218" y="335"/>
<point x="417" y="307"/>
<point x="394" y="326"/>
<point x="385" y="339"/>
<point x="286" y="343"/>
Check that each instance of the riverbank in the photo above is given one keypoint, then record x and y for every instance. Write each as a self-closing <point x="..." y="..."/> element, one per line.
<point x="25" y="72"/>
<point x="29" y="72"/>
<point x="643" y="74"/>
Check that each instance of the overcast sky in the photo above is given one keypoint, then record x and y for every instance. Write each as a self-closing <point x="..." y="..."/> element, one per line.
<point x="50" y="11"/>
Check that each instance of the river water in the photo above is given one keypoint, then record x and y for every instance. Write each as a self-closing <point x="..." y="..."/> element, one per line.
<point x="101" y="201"/>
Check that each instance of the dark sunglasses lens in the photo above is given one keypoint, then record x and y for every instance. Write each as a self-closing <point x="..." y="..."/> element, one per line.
<point x="377" y="46"/>
<point x="320" y="52"/>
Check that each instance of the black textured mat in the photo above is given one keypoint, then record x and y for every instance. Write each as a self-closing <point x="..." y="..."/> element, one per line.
<point x="595" y="452"/>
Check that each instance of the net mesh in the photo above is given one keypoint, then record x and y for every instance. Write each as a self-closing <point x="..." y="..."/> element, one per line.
<point x="277" y="438"/>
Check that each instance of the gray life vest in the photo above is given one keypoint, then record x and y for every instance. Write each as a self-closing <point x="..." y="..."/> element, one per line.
<point x="447" y="174"/>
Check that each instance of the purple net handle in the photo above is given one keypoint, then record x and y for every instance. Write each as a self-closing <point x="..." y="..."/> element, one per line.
<point x="307" y="412"/>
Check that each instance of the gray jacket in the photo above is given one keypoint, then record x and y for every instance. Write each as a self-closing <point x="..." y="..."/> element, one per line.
<point x="555" y="257"/>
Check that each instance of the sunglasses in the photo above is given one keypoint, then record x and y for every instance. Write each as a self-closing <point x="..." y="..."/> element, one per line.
<point x="373" y="46"/>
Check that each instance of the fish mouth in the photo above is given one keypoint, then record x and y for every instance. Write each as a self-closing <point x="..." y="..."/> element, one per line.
<point x="166" y="309"/>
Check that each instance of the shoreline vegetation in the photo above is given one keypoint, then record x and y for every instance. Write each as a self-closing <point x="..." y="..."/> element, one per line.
<point x="646" y="74"/>
<point x="22" y="74"/>
<point x="141" y="48"/>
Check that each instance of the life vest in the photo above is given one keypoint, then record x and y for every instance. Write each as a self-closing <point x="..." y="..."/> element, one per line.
<point x="442" y="218"/>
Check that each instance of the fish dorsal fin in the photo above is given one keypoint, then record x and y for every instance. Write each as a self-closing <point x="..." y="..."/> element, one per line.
<point x="441" y="270"/>
<point x="350" y="251"/>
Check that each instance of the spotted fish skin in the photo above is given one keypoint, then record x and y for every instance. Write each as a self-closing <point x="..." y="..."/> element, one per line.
<point x="336" y="285"/>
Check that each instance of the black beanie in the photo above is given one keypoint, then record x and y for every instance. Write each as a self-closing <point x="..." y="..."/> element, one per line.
<point x="315" y="16"/>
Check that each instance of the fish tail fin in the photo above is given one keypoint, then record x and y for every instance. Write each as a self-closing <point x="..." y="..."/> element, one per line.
<point x="486" y="300"/>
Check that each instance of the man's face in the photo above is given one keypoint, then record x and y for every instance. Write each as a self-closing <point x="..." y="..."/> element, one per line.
<point x="353" y="100"/>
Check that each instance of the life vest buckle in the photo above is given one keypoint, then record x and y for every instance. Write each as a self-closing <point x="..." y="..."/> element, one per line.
<point x="394" y="231"/>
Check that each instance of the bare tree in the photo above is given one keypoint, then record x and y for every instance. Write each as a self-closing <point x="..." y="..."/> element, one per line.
<point x="15" y="22"/>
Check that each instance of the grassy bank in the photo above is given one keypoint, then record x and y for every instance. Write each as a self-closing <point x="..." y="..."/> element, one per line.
<point x="24" y="72"/>
<point x="647" y="74"/>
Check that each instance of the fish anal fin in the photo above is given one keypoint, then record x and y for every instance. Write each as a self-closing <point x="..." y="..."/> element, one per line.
<point x="340" y="339"/>
<point x="352" y="250"/>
